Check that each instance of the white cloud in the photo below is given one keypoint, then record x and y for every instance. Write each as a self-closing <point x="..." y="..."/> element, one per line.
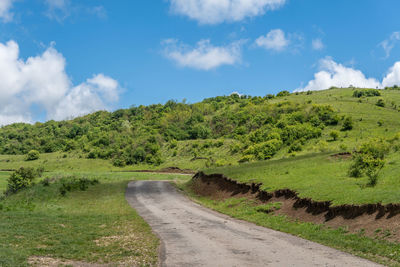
<point x="334" y="74"/>
<point x="204" y="56"/>
<point x="5" y="14"/>
<point x="389" y="43"/>
<point x="58" y="9"/>
<point x="274" y="40"/>
<point x="393" y="76"/>
<point x="87" y="97"/>
<point x="317" y="44"/>
<point x="41" y="81"/>
<point x="218" y="11"/>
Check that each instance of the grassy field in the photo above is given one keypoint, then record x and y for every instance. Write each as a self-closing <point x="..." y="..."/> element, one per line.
<point x="320" y="177"/>
<point x="74" y="162"/>
<point x="96" y="225"/>
<point x="375" y="249"/>
<point x="3" y="180"/>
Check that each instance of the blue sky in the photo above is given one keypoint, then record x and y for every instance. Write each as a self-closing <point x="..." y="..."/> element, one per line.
<point x="91" y="55"/>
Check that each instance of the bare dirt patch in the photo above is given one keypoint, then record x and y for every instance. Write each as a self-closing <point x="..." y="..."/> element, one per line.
<point x="373" y="220"/>
<point x="38" y="261"/>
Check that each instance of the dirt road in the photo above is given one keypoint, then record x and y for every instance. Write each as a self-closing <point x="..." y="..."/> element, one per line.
<point x="195" y="236"/>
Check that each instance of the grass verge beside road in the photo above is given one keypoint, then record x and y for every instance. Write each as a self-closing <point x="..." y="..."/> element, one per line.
<point x="96" y="225"/>
<point x="321" y="177"/>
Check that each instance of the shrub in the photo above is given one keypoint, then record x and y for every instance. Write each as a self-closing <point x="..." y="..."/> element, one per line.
<point x="246" y="158"/>
<point x="219" y="143"/>
<point x="366" y="93"/>
<point x="295" y="147"/>
<point x="325" y="114"/>
<point x="173" y="143"/>
<point x="334" y="135"/>
<point x="347" y="124"/>
<point x="235" y="148"/>
<point x="92" y="154"/>
<point x="32" y="155"/>
<point x="283" y="93"/>
<point x="221" y="162"/>
<point x="118" y="162"/>
<point x="380" y="103"/>
<point x="199" y="132"/>
<point x="370" y="160"/>
<point x="264" y="150"/>
<point x="22" y="178"/>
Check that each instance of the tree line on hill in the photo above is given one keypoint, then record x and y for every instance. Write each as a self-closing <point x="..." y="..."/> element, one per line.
<point x="136" y="135"/>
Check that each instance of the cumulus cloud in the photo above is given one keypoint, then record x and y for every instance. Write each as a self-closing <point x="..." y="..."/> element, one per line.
<point x="334" y="74"/>
<point x="393" y="76"/>
<point x="204" y="56"/>
<point x="41" y="81"/>
<point x="273" y="40"/>
<point x="388" y="44"/>
<point x="218" y="11"/>
<point x="5" y="14"/>
<point x="87" y="97"/>
<point x="317" y="44"/>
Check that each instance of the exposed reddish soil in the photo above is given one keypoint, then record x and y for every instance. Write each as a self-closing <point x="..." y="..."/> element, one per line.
<point x="377" y="220"/>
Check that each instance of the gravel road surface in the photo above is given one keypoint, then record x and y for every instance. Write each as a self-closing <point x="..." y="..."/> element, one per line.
<point x="192" y="235"/>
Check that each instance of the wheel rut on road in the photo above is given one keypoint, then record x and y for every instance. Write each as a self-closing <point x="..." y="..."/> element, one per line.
<point x="192" y="235"/>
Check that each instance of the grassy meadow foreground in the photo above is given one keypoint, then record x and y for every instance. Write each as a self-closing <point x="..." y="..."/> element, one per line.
<point x="41" y="226"/>
<point x="308" y="142"/>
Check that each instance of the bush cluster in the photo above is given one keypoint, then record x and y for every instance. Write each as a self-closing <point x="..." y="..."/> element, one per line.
<point x="369" y="160"/>
<point x="21" y="179"/>
<point x="138" y="134"/>
<point x="32" y="155"/>
<point x="366" y="93"/>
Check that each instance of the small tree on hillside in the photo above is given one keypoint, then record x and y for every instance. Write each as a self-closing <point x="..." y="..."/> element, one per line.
<point x="380" y="103"/>
<point x="22" y="178"/>
<point x="283" y="93"/>
<point x="347" y="124"/>
<point x="32" y="155"/>
<point x="370" y="160"/>
<point x="334" y="135"/>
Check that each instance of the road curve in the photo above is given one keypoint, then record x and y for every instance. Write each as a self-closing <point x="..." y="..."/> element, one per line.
<point x="192" y="235"/>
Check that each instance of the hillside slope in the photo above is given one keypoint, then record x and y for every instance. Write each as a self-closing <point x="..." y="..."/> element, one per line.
<point x="217" y="131"/>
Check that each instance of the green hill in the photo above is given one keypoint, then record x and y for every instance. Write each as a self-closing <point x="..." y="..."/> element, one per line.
<point x="222" y="134"/>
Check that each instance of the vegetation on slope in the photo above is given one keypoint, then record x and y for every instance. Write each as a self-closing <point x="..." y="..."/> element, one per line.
<point x="140" y="134"/>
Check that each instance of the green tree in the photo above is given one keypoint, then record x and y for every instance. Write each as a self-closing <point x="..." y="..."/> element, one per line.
<point x="347" y="124"/>
<point x="22" y="178"/>
<point x="283" y="93"/>
<point x="32" y="155"/>
<point x="380" y="103"/>
<point x="369" y="160"/>
<point x="334" y="135"/>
